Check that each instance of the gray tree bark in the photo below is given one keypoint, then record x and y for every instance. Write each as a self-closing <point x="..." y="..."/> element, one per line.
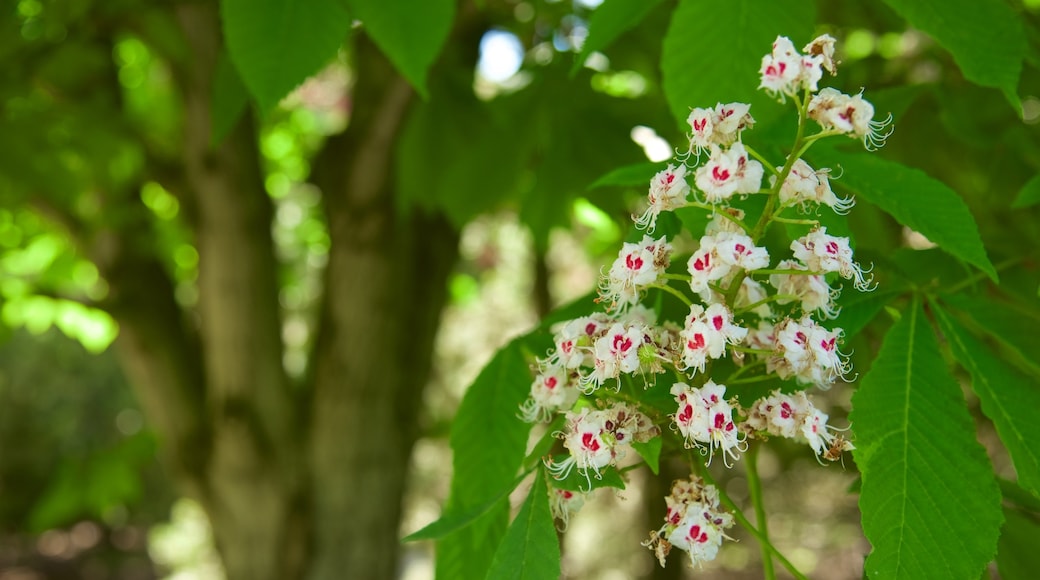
<point x="298" y="481"/>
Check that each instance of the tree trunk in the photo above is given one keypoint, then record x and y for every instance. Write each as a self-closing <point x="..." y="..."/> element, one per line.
<point x="306" y="481"/>
<point x="385" y="289"/>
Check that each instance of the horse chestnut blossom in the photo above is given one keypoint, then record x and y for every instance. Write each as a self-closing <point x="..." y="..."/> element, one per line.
<point x="598" y="438"/>
<point x="805" y="185"/>
<point x="705" y="420"/>
<point x="637" y="266"/>
<point x="719" y="126"/>
<point x="728" y="172"/>
<point x="668" y="191"/>
<point x="746" y="321"/>
<point x="811" y="290"/>
<point x="850" y="115"/>
<point x="821" y="252"/>
<point x="553" y="390"/>
<point x="694" y="522"/>
<point x="808" y="353"/>
<point x="795" y="417"/>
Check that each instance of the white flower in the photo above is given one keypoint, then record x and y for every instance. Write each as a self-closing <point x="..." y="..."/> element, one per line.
<point x="705" y="419"/>
<point x="552" y="391"/>
<point x="808" y="353"/>
<point x="781" y="69"/>
<point x="823" y="46"/>
<point x="563" y="503"/>
<point x="719" y="126"/>
<point x="737" y="249"/>
<point x="668" y="191"/>
<point x="616" y="352"/>
<point x="574" y="339"/>
<point x="811" y="290"/>
<point x="694" y="522"/>
<point x="728" y="172"/>
<point x="795" y="417"/>
<point x="825" y="253"/>
<point x="636" y="266"/>
<point x="805" y="185"/>
<point x="852" y="115"/>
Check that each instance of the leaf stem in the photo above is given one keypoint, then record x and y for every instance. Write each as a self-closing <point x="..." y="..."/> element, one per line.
<point x="673" y="292"/>
<point x="743" y="521"/>
<point x="755" y="490"/>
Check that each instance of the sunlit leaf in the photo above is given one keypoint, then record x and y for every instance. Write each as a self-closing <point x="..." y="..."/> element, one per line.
<point x="410" y="32"/>
<point x="276" y="44"/>
<point x="930" y="503"/>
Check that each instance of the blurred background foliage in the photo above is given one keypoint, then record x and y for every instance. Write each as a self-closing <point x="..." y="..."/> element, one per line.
<point x="91" y="127"/>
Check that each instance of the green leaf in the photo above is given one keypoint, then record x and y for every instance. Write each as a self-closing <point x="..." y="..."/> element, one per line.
<point x="230" y="99"/>
<point x="712" y="51"/>
<point x="488" y="440"/>
<point x="276" y="44"/>
<point x="610" y="20"/>
<point x="985" y="37"/>
<point x="1012" y="325"/>
<point x="451" y="522"/>
<point x="410" y="32"/>
<point x="530" y="550"/>
<point x="859" y="308"/>
<point x="1029" y="195"/>
<point x="930" y="504"/>
<point x="576" y="480"/>
<point x="1009" y="399"/>
<point x="637" y="175"/>
<point x="650" y="452"/>
<point x="914" y="199"/>
<point x="1017" y="556"/>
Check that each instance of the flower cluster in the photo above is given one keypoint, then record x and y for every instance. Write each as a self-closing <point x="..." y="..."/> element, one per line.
<point x="694" y="522"/>
<point x="751" y="317"/>
<point x="795" y="417"/>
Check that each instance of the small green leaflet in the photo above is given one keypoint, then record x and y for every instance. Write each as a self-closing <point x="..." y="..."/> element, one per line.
<point x="1008" y="398"/>
<point x="410" y="32"/>
<point x="609" y="21"/>
<point x="1029" y="195"/>
<point x="529" y="550"/>
<point x="276" y="44"/>
<point x="650" y="452"/>
<point x="985" y="37"/>
<point x="930" y="503"/>
<point x="712" y="52"/>
<point x="914" y="199"/>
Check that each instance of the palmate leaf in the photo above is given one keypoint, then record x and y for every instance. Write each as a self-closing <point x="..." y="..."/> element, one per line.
<point x="529" y="550"/>
<point x="914" y="199"/>
<point x="930" y="503"/>
<point x="985" y="37"/>
<point x="276" y="44"/>
<point x="1008" y="398"/>
<point x="712" y="51"/>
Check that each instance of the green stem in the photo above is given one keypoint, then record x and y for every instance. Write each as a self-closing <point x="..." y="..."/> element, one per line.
<point x="743" y="370"/>
<point x="673" y="292"/>
<point x="767" y="300"/>
<point x="765" y="162"/>
<point x="982" y="275"/>
<point x="680" y="277"/>
<point x="755" y="489"/>
<point x="749" y="380"/>
<point x="743" y="521"/>
<point x="751" y="350"/>
<point x="791" y="272"/>
<point x="778" y="219"/>
<point x="715" y="210"/>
